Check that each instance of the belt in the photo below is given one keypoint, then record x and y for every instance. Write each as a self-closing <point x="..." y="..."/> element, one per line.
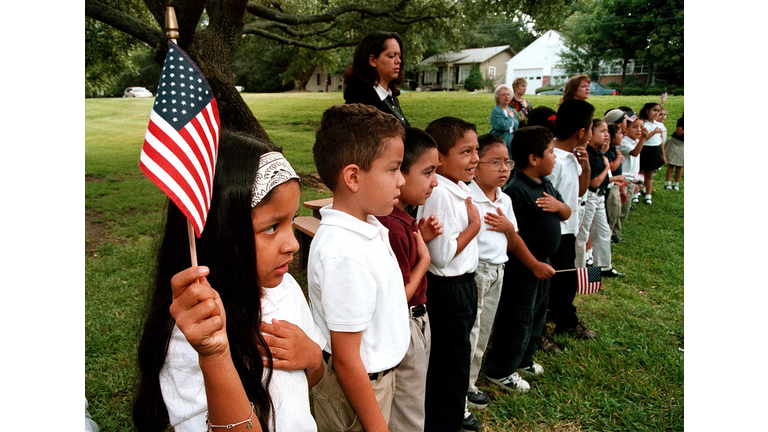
<point x="599" y="192"/>
<point x="417" y="311"/>
<point x="372" y="376"/>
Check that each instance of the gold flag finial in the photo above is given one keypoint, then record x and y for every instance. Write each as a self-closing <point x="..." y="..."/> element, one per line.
<point x="171" y="25"/>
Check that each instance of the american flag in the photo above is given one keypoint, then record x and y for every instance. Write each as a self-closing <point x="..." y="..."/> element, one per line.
<point x="182" y="139"/>
<point x="664" y="96"/>
<point x="589" y="280"/>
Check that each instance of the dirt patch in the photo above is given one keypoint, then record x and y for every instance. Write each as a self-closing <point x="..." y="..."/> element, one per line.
<point x="313" y="180"/>
<point x="95" y="233"/>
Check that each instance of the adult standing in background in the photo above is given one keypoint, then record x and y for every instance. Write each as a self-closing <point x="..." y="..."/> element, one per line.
<point x="576" y="88"/>
<point x="503" y="116"/>
<point x="521" y="105"/>
<point x="377" y="68"/>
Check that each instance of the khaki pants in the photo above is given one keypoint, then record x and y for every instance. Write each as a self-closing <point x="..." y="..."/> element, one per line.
<point x="411" y="380"/>
<point x="489" y="278"/>
<point x="332" y="410"/>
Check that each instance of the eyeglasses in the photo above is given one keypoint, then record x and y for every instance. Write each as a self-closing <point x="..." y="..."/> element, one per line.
<point x="497" y="164"/>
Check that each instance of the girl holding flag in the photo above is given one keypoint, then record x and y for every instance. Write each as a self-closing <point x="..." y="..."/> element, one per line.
<point x="231" y="344"/>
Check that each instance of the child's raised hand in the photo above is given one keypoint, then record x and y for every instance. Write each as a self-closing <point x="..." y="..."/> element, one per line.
<point x="430" y="228"/>
<point x="548" y="203"/>
<point x="498" y="222"/>
<point x="199" y="312"/>
<point x="290" y="347"/>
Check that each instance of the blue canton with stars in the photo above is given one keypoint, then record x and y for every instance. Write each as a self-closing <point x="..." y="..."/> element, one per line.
<point x="183" y="91"/>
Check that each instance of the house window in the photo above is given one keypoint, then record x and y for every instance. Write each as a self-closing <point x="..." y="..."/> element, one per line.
<point x="492" y="72"/>
<point x="464" y="71"/>
<point x="430" y="77"/>
<point x="318" y="79"/>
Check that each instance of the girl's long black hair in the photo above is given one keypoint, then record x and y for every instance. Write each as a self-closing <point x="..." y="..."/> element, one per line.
<point x="227" y="248"/>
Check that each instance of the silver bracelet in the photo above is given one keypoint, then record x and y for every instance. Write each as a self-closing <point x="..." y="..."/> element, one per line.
<point x="249" y="420"/>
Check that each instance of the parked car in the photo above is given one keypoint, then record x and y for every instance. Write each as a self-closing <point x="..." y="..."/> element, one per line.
<point x="240" y="89"/>
<point x="137" y="92"/>
<point x="595" y="89"/>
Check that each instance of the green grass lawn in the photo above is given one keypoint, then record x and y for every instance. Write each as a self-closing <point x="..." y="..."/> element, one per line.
<point x="629" y="379"/>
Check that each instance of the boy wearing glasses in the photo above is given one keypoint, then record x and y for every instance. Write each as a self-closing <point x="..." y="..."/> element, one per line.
<point x="498" y="235"/>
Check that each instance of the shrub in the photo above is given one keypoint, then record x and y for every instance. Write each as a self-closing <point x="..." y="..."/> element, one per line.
<point x="475" y="79"/>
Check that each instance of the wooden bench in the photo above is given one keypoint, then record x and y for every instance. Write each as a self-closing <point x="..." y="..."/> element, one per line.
<point x="316" y="205"/>
<point x="305" y="228"/>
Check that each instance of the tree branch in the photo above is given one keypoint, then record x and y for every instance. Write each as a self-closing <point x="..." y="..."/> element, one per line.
<point x="270" y="14"/>
<point x="124" y="22"/>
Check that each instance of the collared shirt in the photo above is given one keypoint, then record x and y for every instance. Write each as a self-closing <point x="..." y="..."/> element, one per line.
<point x="401" y="227"/>
<point x="382" y="92"/>
<point x="565" y="178"/>
<point x="540" y="230"/>
<point x="492" y="245"/>
<point x="448" y="203"/>
<point x="355" y="285"/>
<point x="631" y="164"/>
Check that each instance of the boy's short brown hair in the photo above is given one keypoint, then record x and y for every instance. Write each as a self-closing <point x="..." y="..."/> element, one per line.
<point x="351" y="134"/>
<point x="447" y="130"/>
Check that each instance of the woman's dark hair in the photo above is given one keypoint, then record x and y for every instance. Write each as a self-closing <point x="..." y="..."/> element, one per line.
<point x="643" y="114"/>
<point x="360" y="71"/>
<point x="227" y="248"/>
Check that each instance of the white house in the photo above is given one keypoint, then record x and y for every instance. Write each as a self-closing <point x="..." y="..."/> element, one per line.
<point x="448" y="71"/>
<point x="325" y="81"/>
<point x="539" y="62"/>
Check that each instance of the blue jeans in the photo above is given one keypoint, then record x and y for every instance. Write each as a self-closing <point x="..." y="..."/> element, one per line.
<point x="520" y="320"/>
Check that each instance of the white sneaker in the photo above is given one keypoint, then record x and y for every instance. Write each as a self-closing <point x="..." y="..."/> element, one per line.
<point x="512" y="383"/>
<point x="534" y="369"/>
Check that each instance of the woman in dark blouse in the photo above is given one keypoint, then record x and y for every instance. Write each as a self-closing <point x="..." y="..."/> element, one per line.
<point x="377" y="68"/>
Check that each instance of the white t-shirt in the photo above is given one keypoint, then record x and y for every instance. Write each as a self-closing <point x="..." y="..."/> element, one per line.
<point x="655" y="140"/>
<point x="630" y="166"/>
<point x="663" y="130"/>
<point x="565" y="178"/>
<point x="181" y="380"/>
<point x="355" y="285"/>
<point x="448" y="203"/>
<point x="492" y="245"/>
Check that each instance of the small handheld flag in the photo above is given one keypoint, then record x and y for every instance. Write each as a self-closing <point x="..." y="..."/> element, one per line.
<point x="182" y="139"/>
<point x="664" y="96"/>
<point x="589" y="280"/>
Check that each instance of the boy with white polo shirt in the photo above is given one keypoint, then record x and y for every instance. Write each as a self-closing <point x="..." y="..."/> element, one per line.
<point x="354" y="281"/>
<point x="570" y="176"/>
<point x="451" y="287"/>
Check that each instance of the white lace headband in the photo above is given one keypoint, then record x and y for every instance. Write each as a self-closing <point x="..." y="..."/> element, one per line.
<point x="273" y="171"/>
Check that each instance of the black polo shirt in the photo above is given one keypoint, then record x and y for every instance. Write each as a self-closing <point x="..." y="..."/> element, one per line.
<point x="539" y="230"/>
<point x="612" y="154"/>
<point x="596" y="165"/>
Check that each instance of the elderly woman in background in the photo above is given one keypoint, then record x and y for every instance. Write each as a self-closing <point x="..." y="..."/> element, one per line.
<point x="576" y="88"/>
<point x="504" y="117"/>
<point x="377" y="69"/>
<point x="521" y="105"/>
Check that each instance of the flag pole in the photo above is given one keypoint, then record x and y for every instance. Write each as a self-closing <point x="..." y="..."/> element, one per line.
<point x="172" y="33"/>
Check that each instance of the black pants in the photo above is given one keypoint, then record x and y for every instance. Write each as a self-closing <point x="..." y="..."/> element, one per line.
<point x="452" y="307"/>
<point x="562" y="286"/>
<point x="520" y="320"/>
